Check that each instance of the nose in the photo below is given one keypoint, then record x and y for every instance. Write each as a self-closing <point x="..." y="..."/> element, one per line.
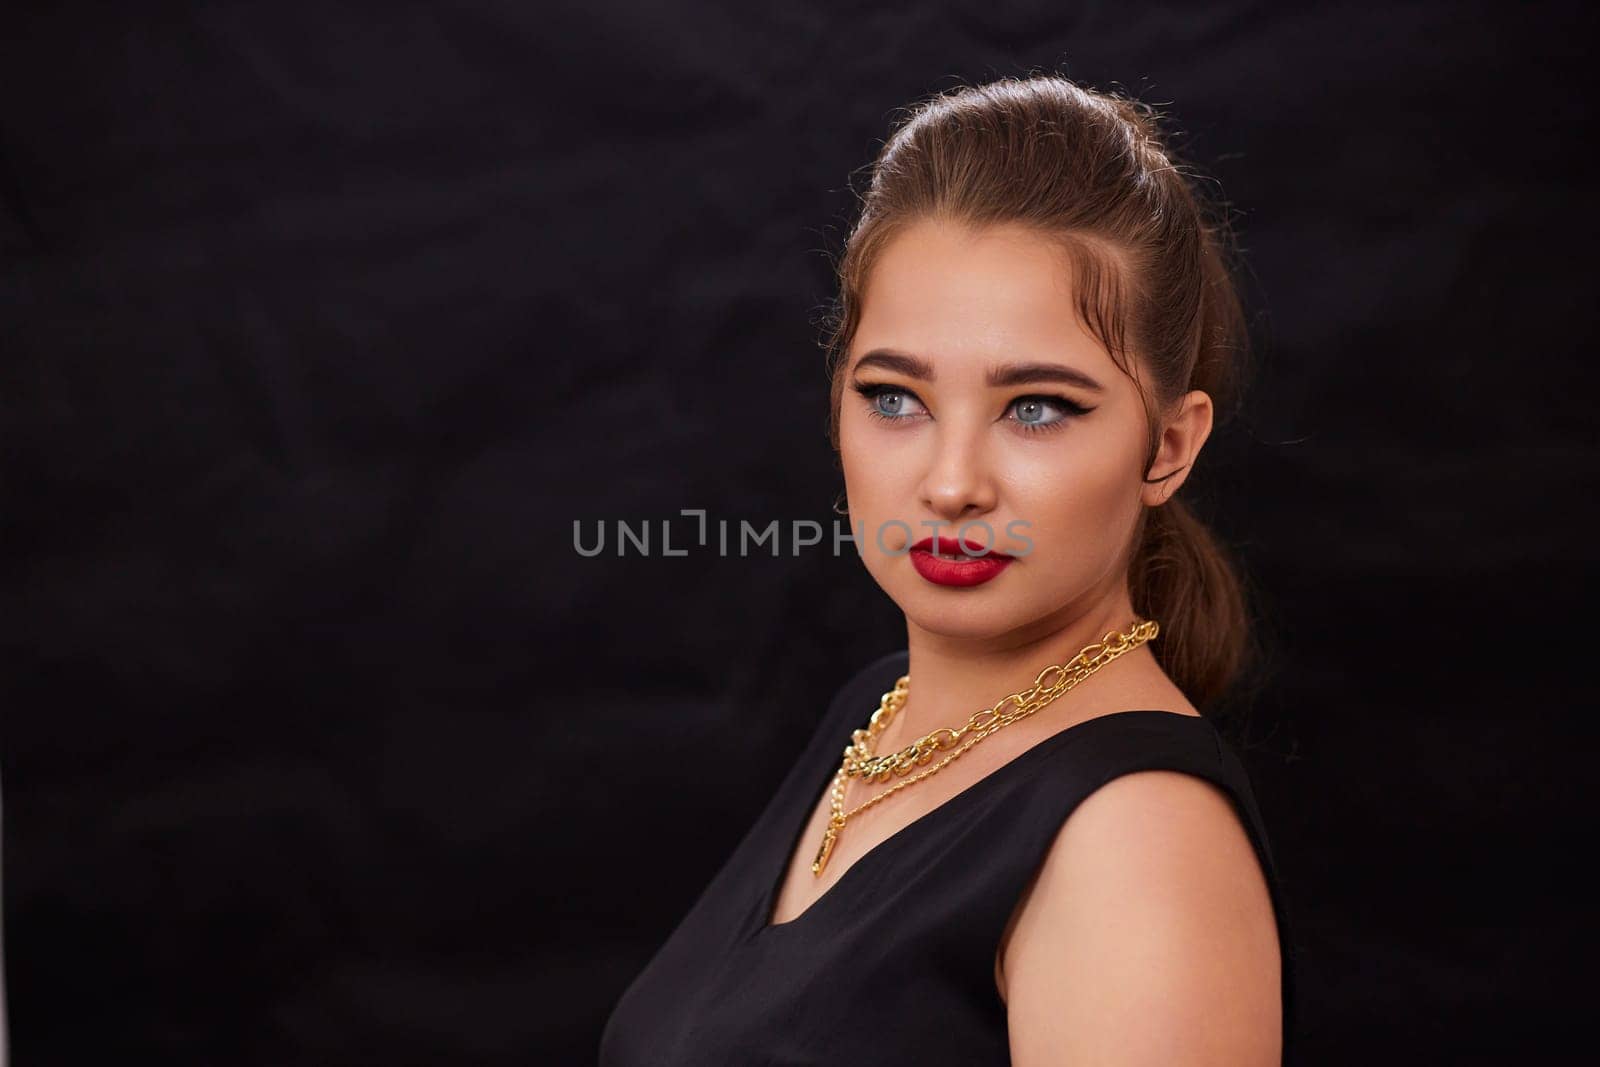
<point x="957" y="485"/>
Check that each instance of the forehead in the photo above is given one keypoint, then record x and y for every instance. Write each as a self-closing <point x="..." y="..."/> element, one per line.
<point x="965" y="298"/>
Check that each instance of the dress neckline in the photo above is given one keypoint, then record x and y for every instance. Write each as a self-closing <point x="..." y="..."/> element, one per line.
<point x="762" y="927"/>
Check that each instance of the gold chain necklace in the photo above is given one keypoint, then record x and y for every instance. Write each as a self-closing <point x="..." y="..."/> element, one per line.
<point x="859" y="760"/>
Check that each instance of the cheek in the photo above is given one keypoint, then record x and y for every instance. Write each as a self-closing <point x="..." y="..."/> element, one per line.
<point x="850" y="458"/>
<point x="874" y="478"/>
<point x="873" y="464"/>
<point x="1076" y="506"/>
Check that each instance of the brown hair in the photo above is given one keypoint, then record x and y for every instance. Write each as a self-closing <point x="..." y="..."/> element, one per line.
<point x="1090" y="171"/>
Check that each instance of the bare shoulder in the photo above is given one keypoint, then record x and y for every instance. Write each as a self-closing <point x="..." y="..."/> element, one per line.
<point x="1148" y="935"/>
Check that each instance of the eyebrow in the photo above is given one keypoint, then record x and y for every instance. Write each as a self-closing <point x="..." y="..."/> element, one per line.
<point x="997" y="376"/>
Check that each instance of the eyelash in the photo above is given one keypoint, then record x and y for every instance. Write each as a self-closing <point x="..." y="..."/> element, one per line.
<point x="1073" y="409"/>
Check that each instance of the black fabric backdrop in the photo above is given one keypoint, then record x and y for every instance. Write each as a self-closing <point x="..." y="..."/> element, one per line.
<point x="322" y="325"/>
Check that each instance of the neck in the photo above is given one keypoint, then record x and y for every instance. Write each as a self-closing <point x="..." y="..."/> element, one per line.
<point x="953" y="676"/>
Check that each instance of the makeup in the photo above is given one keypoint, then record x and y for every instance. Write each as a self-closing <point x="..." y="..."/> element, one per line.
<point x="950" y="565"/>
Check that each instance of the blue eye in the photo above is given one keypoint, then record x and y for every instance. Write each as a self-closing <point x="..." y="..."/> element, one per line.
<point x="1033" y="412"/>
<point x="887" y="402"/>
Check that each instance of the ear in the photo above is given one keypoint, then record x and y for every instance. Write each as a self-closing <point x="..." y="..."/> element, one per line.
<point x="1182" y="435"/>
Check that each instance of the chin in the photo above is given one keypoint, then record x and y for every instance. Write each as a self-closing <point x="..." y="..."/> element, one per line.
<point x="967" y="613"/>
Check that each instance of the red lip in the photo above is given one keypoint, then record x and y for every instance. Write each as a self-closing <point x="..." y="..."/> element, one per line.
<point x="953" y="566"/>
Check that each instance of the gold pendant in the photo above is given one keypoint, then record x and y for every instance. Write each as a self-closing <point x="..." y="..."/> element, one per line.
<point x="826" y="850"/>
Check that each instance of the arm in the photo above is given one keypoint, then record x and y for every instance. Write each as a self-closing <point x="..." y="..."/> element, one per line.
<point x="1148" y="937"/>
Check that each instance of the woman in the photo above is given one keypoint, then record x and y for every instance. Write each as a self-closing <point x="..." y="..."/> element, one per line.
<point x="1038" y="850"/>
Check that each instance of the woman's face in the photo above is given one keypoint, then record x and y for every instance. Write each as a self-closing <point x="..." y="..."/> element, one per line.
<point x="974" y="395"/>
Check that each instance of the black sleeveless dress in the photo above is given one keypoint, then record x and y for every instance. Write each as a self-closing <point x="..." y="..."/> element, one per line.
<point x="895" y="962"/>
